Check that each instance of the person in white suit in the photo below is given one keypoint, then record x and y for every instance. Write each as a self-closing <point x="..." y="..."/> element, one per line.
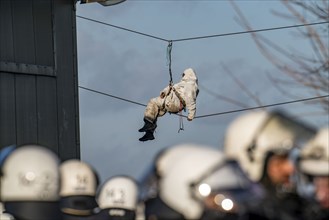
<point x="173" y="99"/>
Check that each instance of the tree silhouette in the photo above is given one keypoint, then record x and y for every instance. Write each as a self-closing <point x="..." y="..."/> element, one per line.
<point x="309" y="71"/>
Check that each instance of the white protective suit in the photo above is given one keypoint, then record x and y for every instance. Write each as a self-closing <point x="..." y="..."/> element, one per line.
<point x="169" y="101"/>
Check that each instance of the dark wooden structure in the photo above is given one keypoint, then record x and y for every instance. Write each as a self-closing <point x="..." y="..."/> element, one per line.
<point x="38" y="75"/>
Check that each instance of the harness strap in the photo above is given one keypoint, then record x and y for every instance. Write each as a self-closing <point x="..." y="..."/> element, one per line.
<point x="182" y="101"/>
<point x="164" y="101"/>
<point x="182" y="105"/>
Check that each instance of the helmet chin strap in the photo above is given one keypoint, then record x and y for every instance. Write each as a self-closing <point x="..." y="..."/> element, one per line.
<point x="77" y="212"/>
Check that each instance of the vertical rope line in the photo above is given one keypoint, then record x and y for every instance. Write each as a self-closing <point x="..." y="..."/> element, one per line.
<point x="181" y="122"/>
<point x="169" y="48"/>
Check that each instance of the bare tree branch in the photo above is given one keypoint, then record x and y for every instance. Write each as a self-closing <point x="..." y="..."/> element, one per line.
<point x="223" y="98"/>
<point x="242" y="86"/>
<point x="310" y="71"/>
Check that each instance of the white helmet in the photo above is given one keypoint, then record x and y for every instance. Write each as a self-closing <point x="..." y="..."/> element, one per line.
<point x="119" y="192"/>
<point x="314" y="157"/>
<point x="162" y="163"/>
<point x="5" y="216"/>
<point x="252" y="136"/>
<point x="175" y="186"/>
<point x="77" y="179"/>
<point x="166" y="159"/>
<point x="30" y="173"/>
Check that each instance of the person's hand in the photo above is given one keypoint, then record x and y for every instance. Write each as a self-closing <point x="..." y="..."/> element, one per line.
<point x="189" y="119"/>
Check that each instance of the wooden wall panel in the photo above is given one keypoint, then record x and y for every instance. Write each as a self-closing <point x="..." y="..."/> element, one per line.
<point x="7" y="109"/>
<point x="47" y="112"/>
<point x="66" y="81"/>
<point x="26" y="109"/>
<point x="43" y="33"/>
<point x="7" y="80"/>
<point x="25" y="85"/>
<point x="38" y="75"/>
<point x="6" y="32"/>
<point x="23" y="31"/>
<point x="46" y="86"/>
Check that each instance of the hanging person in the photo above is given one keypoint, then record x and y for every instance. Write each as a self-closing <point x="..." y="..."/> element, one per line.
<point x="173" y="99"/>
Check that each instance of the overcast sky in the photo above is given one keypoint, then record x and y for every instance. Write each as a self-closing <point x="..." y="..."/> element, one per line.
<point x="134" y="67"/>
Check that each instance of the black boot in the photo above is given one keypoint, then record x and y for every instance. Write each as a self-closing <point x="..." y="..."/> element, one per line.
<point x="148" y="126"/>
<point x="147" y="136"/>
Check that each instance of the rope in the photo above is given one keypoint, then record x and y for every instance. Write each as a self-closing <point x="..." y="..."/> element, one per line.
<point x="181" y="122"/>
<point x="171" y="88"/>
<point x="169" y="48"/>
<point x="122" y="28"/>
<point x="206" y="36"/>
<point x="214" y="114"/>
<point x="263" y="106"/>
<point x="250" y="31"/>
<point x="112" y="96"/>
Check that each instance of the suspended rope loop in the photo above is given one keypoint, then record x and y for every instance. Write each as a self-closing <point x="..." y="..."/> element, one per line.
<point x="181" y="124"/>
<point x="169" y="48"/>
